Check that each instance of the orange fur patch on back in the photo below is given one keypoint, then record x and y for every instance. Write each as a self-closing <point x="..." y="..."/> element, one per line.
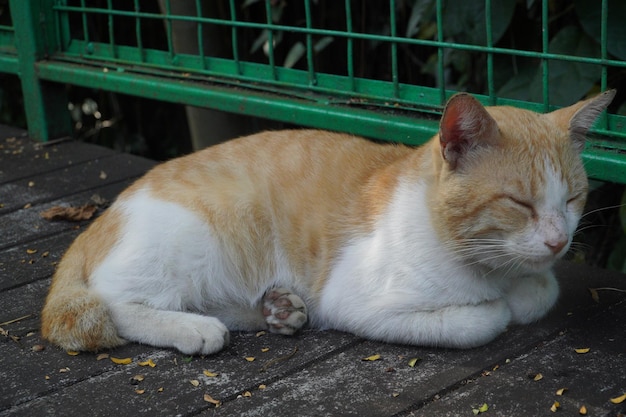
<point x="323" y="189"/>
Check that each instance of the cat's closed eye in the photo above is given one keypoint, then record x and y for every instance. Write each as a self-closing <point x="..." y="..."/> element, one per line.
<point x="523" y="204"/>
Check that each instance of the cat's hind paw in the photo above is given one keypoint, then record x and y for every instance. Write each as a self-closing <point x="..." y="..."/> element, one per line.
<point x="285" y="312"/>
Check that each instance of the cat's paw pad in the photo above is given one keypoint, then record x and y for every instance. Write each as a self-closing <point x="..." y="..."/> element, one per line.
<point x="284" y="312"/>
<point x="201" y="335"/>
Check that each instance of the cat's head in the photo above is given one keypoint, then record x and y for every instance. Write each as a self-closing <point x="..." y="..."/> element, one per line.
<point x="511" y="186"/>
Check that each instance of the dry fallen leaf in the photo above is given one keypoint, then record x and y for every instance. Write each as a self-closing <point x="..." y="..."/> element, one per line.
<point x="561" y="391"/>
<point x="74" y="214"/>
<point x="121" y="361"/>
<point x="212" y="400"/>
<point x="137" y="379"/>
<point x="372" y="358"/>
<point x="149" y="363"/>
<point x="582" y="350"/>
<point x="555" y="406"/>
<point x="209" y="373"/>
<point x="413" y="362"/>
<point x="618" y="400"/>
<point x="582" y="410"/>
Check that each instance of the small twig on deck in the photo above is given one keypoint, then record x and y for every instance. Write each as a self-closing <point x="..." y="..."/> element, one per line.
<point x="40" y="145"/>
<point x="274" y="361"/>
<point x="15" y="320"/>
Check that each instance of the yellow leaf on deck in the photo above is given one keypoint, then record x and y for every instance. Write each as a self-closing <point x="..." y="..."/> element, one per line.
<point x="212" y="400"/>
<point x="209" y="373"/>
<point x="482" y="409"/>
<point x="121" y="361"/>
<point x="413" y="362"/>
<point x="372" y="358"/>
<point x="555" y="406"/>
<point x="137" y="378"/>
<point x="149" y="363"/>
<point x="618" y="400"/>
<point x="582" y="350"/>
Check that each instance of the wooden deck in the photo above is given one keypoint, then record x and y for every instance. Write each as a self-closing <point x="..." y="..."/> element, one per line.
<point x="313" y="374"/>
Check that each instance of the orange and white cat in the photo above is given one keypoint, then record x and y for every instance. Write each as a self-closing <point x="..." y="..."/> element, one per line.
<point x="445" y="245"/>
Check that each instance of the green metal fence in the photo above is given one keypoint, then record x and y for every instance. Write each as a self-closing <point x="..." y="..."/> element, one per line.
<point x="380" y="69"/>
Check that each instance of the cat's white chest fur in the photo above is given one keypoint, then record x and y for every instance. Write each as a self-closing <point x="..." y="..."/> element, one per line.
<point x="402" y="271"/>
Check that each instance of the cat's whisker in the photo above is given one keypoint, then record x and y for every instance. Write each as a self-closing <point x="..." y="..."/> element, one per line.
<point x="602" y="209"/>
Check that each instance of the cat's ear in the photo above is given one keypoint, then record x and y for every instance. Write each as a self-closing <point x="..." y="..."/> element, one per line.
<point x="464" y="125"/>
<point x="578" y="118"/>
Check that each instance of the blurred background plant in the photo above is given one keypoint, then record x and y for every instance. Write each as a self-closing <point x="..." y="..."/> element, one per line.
<point x="161" y="130"/>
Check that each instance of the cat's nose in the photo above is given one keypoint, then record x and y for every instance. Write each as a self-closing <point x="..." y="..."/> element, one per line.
<point x="556" y="246"/>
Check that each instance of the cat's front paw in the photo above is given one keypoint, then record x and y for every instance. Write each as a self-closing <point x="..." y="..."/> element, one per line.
<point x="532" y="296"/>
<point x="201" y="335"/>
<point x="284" y="312"/>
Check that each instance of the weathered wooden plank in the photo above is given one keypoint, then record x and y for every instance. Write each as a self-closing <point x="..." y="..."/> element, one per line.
<point x="105" y="389"/>
<point x="78" y="177"/>
<point x="34" y="260"/>
<point x="25" y="225"/>
<point x="22" y="158"/>
<point x="590" y="379"/>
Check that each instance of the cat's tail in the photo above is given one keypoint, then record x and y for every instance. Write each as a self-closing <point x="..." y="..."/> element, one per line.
<point x="74" y="317"/>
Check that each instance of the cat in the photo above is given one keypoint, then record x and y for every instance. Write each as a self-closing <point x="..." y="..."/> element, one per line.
<point x="442" y="245"/>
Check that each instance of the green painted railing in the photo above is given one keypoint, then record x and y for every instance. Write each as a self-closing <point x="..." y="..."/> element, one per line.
<point x="251" y="59"/>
